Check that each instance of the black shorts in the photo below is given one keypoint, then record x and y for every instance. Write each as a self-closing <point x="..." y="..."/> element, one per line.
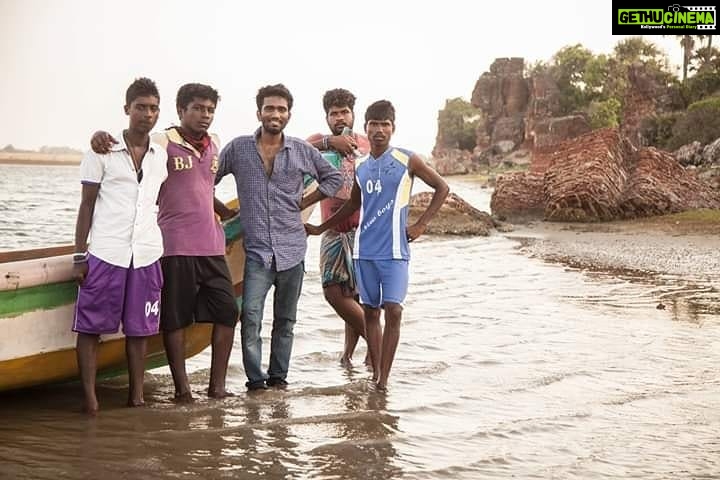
<point x="196" y="289"/>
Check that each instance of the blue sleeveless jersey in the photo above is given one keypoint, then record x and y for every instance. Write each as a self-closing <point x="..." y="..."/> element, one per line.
<point x="385" y="184"/>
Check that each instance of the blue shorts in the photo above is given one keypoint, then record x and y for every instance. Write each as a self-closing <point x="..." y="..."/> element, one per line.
<point x="381" y="281"/>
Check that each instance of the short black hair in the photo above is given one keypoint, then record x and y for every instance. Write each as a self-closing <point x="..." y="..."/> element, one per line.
<point x="380" y="110"/>
<point x="191" y="91"/>
<point x="141" y="87"/>
<point x="338" y="97"/>
<point x="277" y="90"/>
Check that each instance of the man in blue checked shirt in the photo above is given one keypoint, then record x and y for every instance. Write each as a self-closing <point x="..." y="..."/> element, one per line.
<point x="269" y="167"/>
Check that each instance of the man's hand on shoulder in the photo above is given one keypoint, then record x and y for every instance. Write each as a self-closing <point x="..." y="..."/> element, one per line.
<point x="102" y="141"/>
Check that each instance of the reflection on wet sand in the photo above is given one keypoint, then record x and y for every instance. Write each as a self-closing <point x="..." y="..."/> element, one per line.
<point x="509" y="367"/>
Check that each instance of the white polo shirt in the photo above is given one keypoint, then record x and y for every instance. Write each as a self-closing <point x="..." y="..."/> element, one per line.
<point x="124" y="224"/>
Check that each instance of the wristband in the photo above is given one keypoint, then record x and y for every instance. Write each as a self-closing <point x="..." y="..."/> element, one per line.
<point x="325" y="142"/>
<point x="80" y="257"/>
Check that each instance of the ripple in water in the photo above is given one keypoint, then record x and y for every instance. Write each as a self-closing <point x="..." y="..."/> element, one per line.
<point x="508" y="367"/>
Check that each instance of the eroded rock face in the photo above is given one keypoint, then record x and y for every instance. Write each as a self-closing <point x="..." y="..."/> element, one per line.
<point x="660" y="185"/>
<point x="518" y="111"/>
<point x="502" y="95"/>
<point x="455" y="217"/>
<point x="602" y="176"/>
<point x="455" y="161"/>
<point x="690" y="154"/>
<point x="587" y="178"/>
<point x="518" y="196"/>
<point x="551" y="132"/>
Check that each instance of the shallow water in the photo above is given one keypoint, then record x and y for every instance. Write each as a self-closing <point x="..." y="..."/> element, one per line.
<point x="508" y="367"/>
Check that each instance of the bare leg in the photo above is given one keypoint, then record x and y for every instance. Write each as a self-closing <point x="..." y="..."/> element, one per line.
<point x="351" y="339"/>
<point x="87" y="363"/>
<point x="222" y="343"/>
<point x="374" y="336"/>
<point x="175" y="350"/>
<point x="390" y="339"/>
<point x="136" y="349"/>
<point x="352" y="313"/>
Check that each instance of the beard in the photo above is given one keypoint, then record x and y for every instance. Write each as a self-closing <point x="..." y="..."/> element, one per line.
<point x="273" y="129"/>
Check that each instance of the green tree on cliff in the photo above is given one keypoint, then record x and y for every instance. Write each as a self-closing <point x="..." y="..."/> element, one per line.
<point x="458" y="123"/>
<point x="568" y="68"/>
<point x="597" y="84"/>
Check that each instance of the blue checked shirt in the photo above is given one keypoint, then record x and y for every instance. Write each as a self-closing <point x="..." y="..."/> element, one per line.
<point x="270" y="207"/>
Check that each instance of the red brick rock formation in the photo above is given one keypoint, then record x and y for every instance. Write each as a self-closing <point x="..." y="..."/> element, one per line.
<point x="601" y="176"/>
<point x="518" y="196"/>
<point x="587" y="177"/>
<point x="660" y="185"/>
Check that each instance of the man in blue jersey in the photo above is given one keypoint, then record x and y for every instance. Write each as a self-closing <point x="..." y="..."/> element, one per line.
<point x="383" y="182"/>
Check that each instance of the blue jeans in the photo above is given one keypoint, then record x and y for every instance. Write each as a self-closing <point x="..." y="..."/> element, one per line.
<point x="257" y="283"/>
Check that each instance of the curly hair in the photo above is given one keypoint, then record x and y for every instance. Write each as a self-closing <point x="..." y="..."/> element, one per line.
<point x="191" y="91"/>
<point x="338" y="97"/>
<point x="380" y="110"/>
<point x="278" y="90"/>
<point x="141" y="87"/>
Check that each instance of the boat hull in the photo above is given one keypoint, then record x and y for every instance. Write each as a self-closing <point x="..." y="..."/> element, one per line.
<point x="37" y="305"/>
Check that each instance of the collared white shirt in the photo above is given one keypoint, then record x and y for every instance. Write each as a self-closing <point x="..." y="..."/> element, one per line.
<point x="124" y="225"/>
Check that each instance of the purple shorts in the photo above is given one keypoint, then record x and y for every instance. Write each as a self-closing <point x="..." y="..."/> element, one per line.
<point x="111" y="294"/>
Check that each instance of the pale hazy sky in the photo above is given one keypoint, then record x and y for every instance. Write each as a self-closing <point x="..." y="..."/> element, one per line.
<point x="65" y="65"/>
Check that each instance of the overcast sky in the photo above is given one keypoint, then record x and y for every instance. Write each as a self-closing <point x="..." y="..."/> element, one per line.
<point x="65" y="65"/>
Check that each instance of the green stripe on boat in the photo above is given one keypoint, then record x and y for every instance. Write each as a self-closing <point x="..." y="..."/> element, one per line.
<point x="42" y="297"/>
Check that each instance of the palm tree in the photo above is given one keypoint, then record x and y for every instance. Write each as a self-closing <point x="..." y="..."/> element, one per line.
<point x="687" y="42"/>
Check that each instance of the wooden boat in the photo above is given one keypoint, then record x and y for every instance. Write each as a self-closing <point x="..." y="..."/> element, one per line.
<point x="37" y="305"/>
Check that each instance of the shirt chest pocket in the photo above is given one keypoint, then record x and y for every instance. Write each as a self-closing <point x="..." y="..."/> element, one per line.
<point x="289" y="181"/>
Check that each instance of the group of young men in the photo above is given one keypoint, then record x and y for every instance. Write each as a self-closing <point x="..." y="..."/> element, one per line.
<point x="150" y="250"/>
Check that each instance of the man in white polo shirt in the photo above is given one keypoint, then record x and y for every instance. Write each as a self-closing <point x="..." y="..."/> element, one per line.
<point x="118" y="244"/>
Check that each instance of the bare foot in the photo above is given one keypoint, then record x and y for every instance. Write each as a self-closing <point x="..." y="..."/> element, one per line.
<point x="219" y="394"/>
<point x="367" y="361"/>
<point x="89" y="411"/>
<point x="381" y="387"/>
<point x="185" y="397"/>
<point x="346" y="361"/>
<point x="90" y="406"/>
<point x="135" y="403"/>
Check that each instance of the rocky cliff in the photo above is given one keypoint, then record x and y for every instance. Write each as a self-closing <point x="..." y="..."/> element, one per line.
<point x="519" y="117"/>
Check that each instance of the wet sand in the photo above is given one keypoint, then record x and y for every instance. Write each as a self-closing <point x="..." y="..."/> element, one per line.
<point x="508" y="367"/>
<point x="663" y="245"/>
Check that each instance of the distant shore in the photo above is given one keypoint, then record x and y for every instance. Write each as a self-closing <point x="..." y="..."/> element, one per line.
<point x="35" y="158"/>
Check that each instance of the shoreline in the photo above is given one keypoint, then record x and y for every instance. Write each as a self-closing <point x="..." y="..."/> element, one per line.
<point x="39" y="159"/>
<point x="647" y="246"/>
<point x="39" y="162"/>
